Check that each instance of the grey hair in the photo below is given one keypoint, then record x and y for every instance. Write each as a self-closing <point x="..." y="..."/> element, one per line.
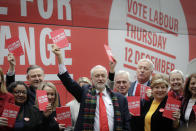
<point x="176" y="71"/>
<point x="96" y="67"/>
<point x="123" y="72"/>
<point x="149" y="61"/>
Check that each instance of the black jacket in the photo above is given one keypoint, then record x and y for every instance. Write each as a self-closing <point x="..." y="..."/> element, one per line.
<point x="192" y="119"/>
<point x="158" y="122"/>
<point x="31" y="119"/>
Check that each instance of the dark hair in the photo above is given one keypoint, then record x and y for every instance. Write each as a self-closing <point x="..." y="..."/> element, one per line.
<point x="31" y="67"/>
<point x="13" y="85"/>
<point x="187" y="93"/>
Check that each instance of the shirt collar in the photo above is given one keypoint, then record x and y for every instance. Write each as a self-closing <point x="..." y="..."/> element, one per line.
<point x="126" y="94"/>
<point x="104" y="91"/>
<point x="146" y="83"/>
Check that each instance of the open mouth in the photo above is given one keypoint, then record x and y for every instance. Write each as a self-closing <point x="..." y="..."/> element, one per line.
<point x="20" y="100"/>
<point x="193" y="89"/>
<point x="36" y="82"/>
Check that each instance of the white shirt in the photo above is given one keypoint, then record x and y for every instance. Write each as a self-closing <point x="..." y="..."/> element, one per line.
<point x="62" y="69"/>
<point x="134" y="90"/>
<point x="10" y="73"/>
<point x="74" y="107"/>
<point x="126" y="95"/>
<point x="189" y="108"/>
<point x="109" y="109"/>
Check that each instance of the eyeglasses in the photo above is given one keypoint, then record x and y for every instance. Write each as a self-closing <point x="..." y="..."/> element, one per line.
<point x="123" y="82"/>
<point x="20" y="92"/>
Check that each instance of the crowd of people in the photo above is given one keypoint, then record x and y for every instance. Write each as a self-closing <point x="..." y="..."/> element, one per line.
<point x="100" y="103"/>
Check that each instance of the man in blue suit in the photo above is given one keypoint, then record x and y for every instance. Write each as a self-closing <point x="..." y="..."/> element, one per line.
<point x="143" y="73"/>
<point x="88" y="96"/>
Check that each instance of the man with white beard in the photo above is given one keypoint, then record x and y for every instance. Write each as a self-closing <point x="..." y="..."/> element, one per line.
<point x="93" y="98"/>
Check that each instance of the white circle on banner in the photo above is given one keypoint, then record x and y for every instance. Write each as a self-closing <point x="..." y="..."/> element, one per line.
<point x="150" y="29"/>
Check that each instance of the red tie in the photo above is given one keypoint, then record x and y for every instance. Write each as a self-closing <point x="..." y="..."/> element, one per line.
<point x="103" y="120"/>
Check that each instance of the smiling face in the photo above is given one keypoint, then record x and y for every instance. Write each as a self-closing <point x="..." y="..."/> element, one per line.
<point x="159" y="91"/>
<point x="121" y="83"/>
<point x="51" y="94"/>
<point x="20" y="94"/>
<point x="176" y="82"/>
<point x="35" y="77"/>
<point x="192" y="86"/>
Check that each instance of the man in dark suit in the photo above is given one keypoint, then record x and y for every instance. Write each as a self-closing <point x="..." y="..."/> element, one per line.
<point x="35" y="76"/>
<point x="122" y="82"/>
<point x="143" y="73"/>
<point x="116" y="106"/>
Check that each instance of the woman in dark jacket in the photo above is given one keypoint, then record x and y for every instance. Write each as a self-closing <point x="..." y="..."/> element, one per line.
<point x="187" y="112"/>
<point x="29" y="117"/>
<point x="151" y="118"/>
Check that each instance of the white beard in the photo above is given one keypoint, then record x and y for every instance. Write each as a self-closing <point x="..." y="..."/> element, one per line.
<point x="100" y="87"/>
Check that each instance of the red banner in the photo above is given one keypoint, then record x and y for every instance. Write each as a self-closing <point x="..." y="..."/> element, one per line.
<point x="133" y="29"/>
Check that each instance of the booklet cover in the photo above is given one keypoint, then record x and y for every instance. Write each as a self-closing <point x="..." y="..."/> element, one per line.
<point x="42" y="99"/>
<point x="141" y="91"/>
<point x="109" y="53"/>
<point x="59" y="38"/>
<point x="134" y="105"/>
<point x="63" y="115"/>
<point x="10" y="112"/>
<point x="14" y="46"/>
<point x="194" y="109"/>
<point x="171" y="106"/>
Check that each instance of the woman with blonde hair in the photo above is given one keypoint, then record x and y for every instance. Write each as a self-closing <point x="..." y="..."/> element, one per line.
<point x="5" y="97"/>
<point x="52" y="94"/>
<point x="151" y="118"/>
<point x="50" y="112"/>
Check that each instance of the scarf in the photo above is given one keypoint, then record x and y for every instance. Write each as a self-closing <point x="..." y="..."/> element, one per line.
<point x="90" y="108"/>
<point x="175" y="95"/>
